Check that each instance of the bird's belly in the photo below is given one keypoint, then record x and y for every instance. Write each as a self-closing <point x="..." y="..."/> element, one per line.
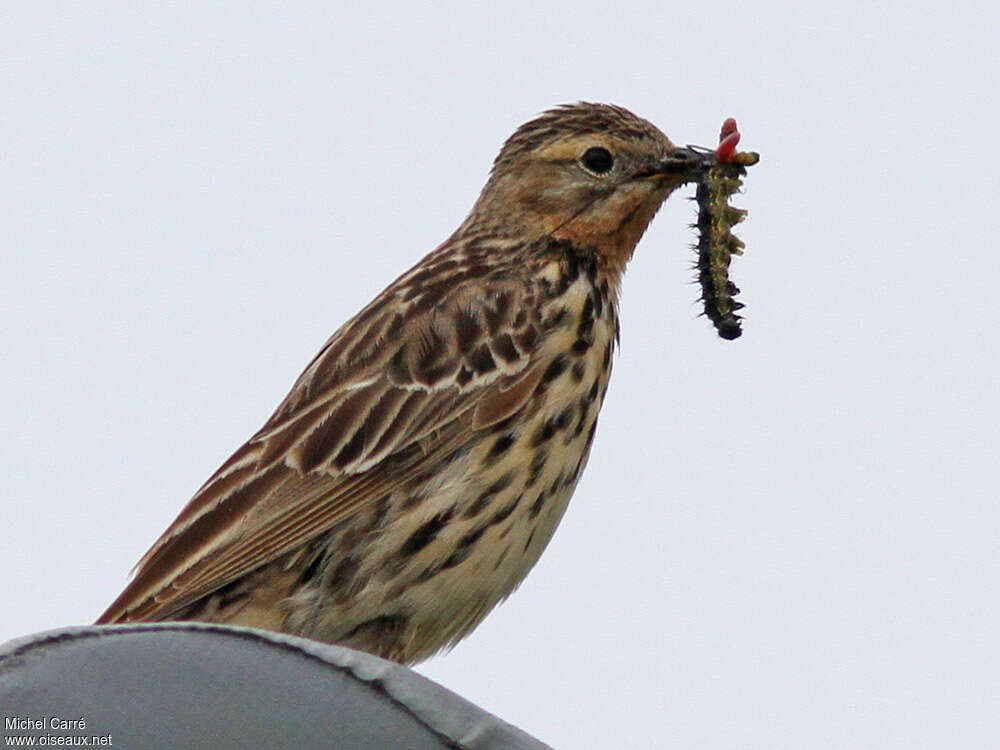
<point x="481" y="557"/>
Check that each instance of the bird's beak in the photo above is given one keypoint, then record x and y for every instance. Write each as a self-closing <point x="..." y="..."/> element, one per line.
<point x="684" y="164"/>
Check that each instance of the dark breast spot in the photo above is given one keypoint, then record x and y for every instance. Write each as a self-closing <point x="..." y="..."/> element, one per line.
<point x="536" y="507"/>
<point x="558" y="482"/>
<point x="570" y="273"/>
<point x="426" y="533"/>
<point x="456" y="557"/>
<point x="504" y="513"/>
<point x="502" y="483"/>
<point x="572" y="476"/>
<point x="556" y="368"/>
<point x="600" y="300"/>
<point x="500" y="446"/>
<point x="554" y="425"/>
<point x="585" y="327"/>
<point x="463" y="549"/>
<point x="472" y="537"/>
<point x="478" y="505"/>
<point x="487" y="497"/>
<point x="529" y="540"/>
<point x="584" y="411"/>
<point x="556" y="319"/>
<point x="543" y="434"/>
<point x="537" y="465"/>
<point x="606" y="359"/>
<point x="504" y="425"/>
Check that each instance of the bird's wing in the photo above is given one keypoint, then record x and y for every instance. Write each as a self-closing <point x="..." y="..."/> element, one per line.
<point x="389" y="393"/>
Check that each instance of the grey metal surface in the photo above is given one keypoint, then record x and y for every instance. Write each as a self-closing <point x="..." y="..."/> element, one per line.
<point x="190" y="685"/>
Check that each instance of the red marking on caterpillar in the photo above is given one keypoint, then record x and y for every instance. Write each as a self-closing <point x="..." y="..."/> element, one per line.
<point x="729" y="137"/>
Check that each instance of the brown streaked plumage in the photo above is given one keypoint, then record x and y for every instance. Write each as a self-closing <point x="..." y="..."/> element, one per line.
<point x="420" y="464"/>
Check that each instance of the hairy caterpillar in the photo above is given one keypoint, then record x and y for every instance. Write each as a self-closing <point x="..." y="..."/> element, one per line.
<point x="716" y="242"/>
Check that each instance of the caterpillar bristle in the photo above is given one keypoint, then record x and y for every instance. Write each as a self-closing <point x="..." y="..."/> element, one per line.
<point x="734" y="216"/>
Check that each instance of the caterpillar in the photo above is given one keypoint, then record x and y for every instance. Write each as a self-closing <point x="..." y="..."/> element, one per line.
<point x="716" y="242"/>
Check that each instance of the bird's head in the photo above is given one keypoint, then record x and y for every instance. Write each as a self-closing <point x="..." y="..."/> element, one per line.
<point x="590" y="174"/>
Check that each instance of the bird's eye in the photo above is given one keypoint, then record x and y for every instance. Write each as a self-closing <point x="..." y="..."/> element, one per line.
<point x="598" y="160"/>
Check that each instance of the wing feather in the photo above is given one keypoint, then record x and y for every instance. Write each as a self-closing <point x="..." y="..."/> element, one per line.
<point x="408" y="371"/>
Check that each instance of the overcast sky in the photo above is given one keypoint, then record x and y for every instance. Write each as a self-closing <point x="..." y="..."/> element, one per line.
<point x="786" y="541"/>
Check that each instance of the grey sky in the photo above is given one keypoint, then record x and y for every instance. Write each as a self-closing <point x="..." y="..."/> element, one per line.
<point x="789" y="540"/>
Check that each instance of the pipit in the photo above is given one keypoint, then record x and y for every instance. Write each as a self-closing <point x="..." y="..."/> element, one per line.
<point x="420" y="464"/>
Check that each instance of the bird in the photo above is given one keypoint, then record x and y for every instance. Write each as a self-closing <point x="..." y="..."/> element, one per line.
<point x="420" y="464"/>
